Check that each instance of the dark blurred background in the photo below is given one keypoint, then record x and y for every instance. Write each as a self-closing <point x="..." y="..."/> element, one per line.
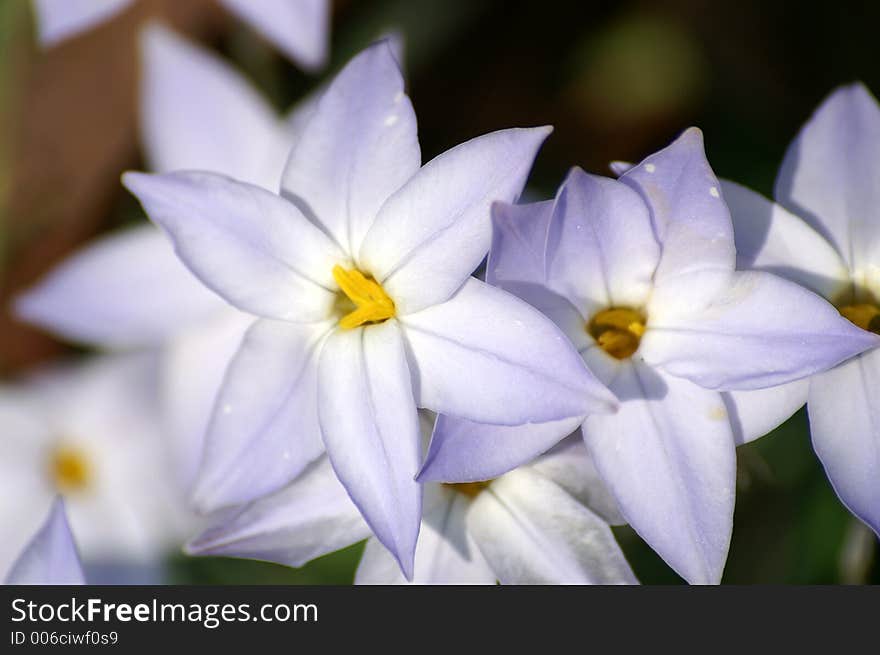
<point x="618" y="80"/>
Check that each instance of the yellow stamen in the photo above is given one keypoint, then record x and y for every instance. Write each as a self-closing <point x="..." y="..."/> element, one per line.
<point x="617" y="330"/>
<point x="69" y="469"/>
<point x="866" y="316"/>
<point x="372" y="304"/>
<point x="469" y="489"/>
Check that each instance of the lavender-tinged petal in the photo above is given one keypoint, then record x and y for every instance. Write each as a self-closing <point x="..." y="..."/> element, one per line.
<point x="445" y="553"/>
<point x="761" y="332"/>
<point x="370" y="428"/>
<point x="310" y="517"/>
<point x="250" y="246"/>
<point x="193" y="366"/>
<point x="358" y="147"/>
<point x="51" y="557"/>
<point x="264" y="428"/>
<point x="755" y="413"/>
<point x="772" y="239"/>
<point x="600" y="250"/>
<point x="568" y="464"/>
<point x="199" y="113"/>
<point x="830" y="171"/>
<point x="432" y="233"/>
<point x="484" y="355"/>
<point x="301" y="29"/>
<point x="844" y="409"/>
<point x="58" y="20"/>
<point x="690" y="219"/>
<point x="668" y="457"/>
<point x="125" y="290"/>
<point x="465" y="451"/>
<point x="532" y="532"/>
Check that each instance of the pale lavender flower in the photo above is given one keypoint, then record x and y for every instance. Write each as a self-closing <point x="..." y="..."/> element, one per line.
<point x="50" y="558"/>
<point x="299" y="28"/>
<point x="360" y="274"/>
<point x="90" y="433"/>
<point x="544" y="523"/>
<point x="640" y="274"/>
<point x="825" y="235"/>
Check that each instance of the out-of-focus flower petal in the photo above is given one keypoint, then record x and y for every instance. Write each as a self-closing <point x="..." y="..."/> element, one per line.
<point x="300" y="28"/>
<point x="58" y="20"/>
<point x="50" y="558"/>
<point x="126" y="290"/>
<point x="199" y="113"/>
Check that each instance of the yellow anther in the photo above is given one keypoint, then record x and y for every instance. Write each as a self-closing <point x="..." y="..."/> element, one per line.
<point x="617" y="330"/>
<point x="469" y="489"/>
<point x="866" y="316"/>
<point x="372" y="304"/>
<point x="69" y="469"/>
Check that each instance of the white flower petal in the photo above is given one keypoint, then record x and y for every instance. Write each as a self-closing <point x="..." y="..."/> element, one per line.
<point x="264" y="428"/>
<point x="252" y="247"/>
<point x="58" y="20"/>
<point x="830" y="171"/>
<point x="483" y="355"/>
<point x="600" y="249"/>
<point x="193" y="366"/>
<point x="371" y="431"/>
<point x="569" y="465"/>
<point x="300" y="28"/>
<point x="532" y="532"/>
<point x="358" y="147"/>
<point x="762" y="331"/>
<point x="844" y="409"/>
<point x="310" y="517"/>
<point x="125" y="290"/>
<point x="432" y="233"/>
<point x="50" y="558"/>
<point x="668" y="457"/>
<point x="755" y="413"/>
<point x="445" y="553"/>
<point x="770" y="238"/>
<point x="691" y="221"/>
<point x="199" y="113"/>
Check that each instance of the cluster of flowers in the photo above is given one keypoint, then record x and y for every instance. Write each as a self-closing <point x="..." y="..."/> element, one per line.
<point x="336" y="373"/>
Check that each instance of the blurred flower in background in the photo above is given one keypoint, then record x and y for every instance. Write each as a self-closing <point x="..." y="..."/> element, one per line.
<point x="50" y="557"/>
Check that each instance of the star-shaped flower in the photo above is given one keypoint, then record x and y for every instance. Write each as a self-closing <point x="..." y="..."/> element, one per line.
<point x="825" y="235"/>
<point x="360" y="274"/>
<point x="544" y="523"/>
<point x="299" y="28"/>
<point x="50" y="558"/>
<point x="90" y="434"/>
<point x="640" y="273"/>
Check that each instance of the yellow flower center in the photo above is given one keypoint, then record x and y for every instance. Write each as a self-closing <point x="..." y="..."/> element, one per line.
<point x="617" y="330"/>
<point x="69" y="469"/>
<point x="469" y="489"/>
<point x="364" y="300"/>
<point x="865" y="315"/>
